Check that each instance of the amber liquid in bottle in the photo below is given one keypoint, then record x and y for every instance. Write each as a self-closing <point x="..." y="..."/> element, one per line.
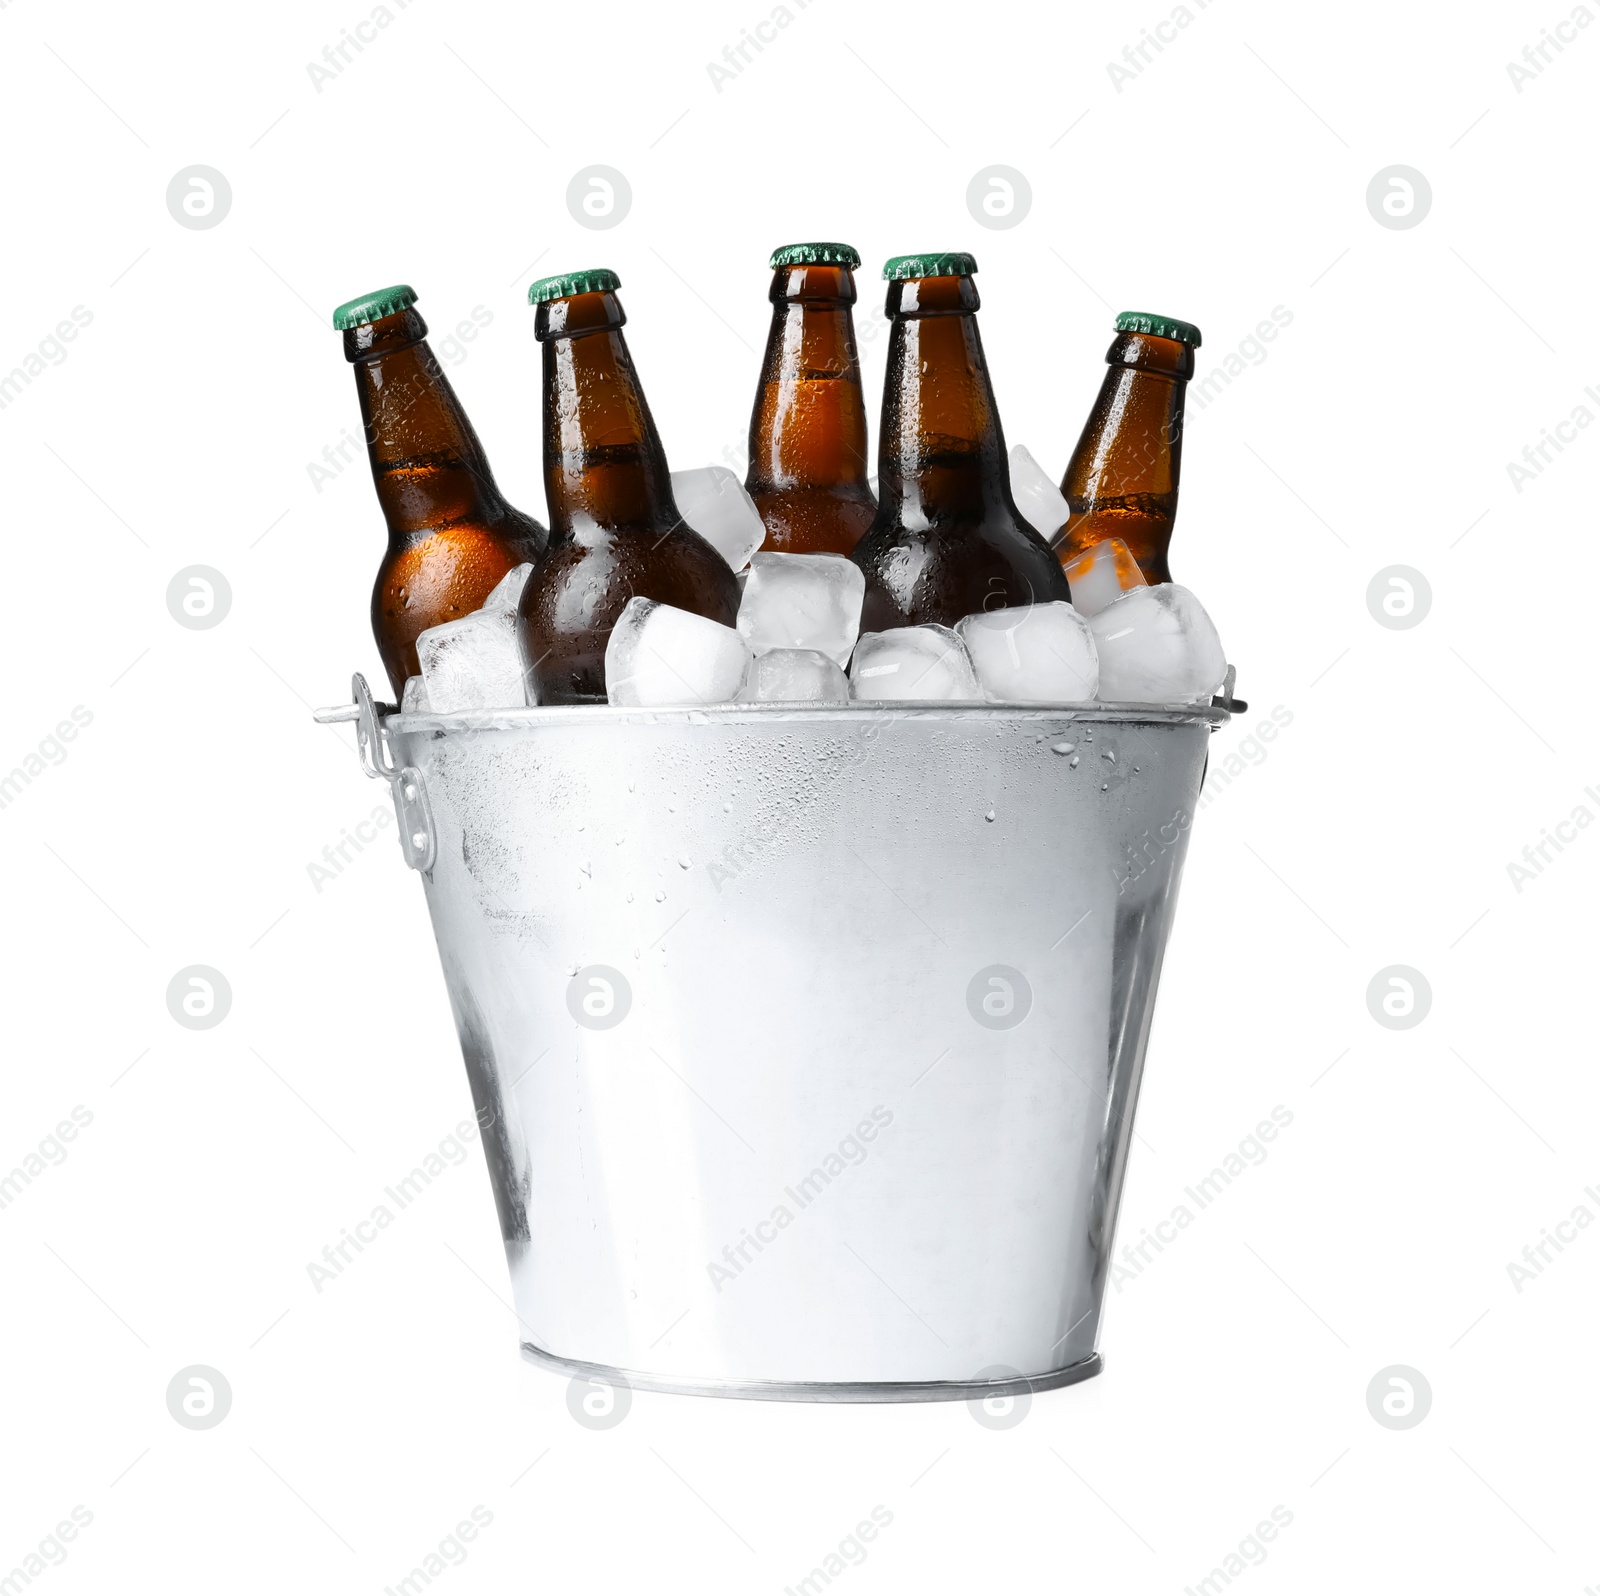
<point x="452" y="535"/>
<point x="1122" y="480"/>
<point x="808" y="431"/>
<point x="948" y="540"/>
<point x="615" y="530"/>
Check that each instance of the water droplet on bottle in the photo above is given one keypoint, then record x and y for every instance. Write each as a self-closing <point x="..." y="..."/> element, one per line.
<point x="1073" y="762"/>
<point x="661" y="894"/>
<point x="1062" y="748"/>
<point x="990" y="815"/>
<point x="1109" y="753"/>
<point x="1105" y="786"/>
<point x="683" y="861"/>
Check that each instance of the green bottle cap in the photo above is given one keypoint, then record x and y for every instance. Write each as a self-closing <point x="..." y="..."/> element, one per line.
<point x="597" y="280"/>
<point x="951" y="263"/>
<point x="1141" y="321"/>
<point x="815" y="255"/>
<point x="374" y="307"/>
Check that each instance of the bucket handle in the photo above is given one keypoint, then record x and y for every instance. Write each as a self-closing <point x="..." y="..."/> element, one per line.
<point x="418" y="840"/>
<point x="1225" y="699"/>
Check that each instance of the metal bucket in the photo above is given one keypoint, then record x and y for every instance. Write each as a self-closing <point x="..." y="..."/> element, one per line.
<point x="807" y="1041"/>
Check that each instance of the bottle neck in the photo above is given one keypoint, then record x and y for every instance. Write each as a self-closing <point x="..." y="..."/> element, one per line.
<point x="941" y="452"/>
<point x="1133" y="441"/>
<point x="604" y="467"/>
<point x="809" y="425"/>
<point x="428" y="466"/>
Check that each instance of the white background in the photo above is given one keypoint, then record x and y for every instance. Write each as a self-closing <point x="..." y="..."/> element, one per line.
<point x="1226" y="178"/>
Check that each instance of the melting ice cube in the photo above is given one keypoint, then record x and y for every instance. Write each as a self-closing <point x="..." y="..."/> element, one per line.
<point x="913" y="662"/>
<point x="473" y="663"/>
<point x="1101" y="574"/>
<point x="1157" y="646"/>
<point x="1037" y="496"/>
<point x="802" y="601"/>
<point x="660" y="655"/>
<point x="713" y="501"/>
<point x="1033" y="654"/>
<point x="794" y="675"/>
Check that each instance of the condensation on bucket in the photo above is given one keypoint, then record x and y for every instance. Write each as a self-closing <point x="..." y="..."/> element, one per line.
<point x="816" y="1147"/>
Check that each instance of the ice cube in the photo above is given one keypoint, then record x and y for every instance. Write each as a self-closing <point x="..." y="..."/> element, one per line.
<point x="1034" y="654"/>
<point x="473" y="663"/>
<point x="505" y="593"/>
<point x="913" y="662"/>
<point x="414" y="700"/>
<point x="1157" y="646"/>
<point x="793" y="676"/>
<point x="802" y="601"/>
<point x="1036" y="495"/>
<point x="1101" y="574"/>
<point x="660" y="655"/>
<point x="713" y="501"/>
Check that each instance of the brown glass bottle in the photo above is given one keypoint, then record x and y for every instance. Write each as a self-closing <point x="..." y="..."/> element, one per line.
<point x="808" y="430"/>
<point x="1122" y="480"/>
<point x="948" y="540"/>
<point x="615" y="530"/>
<point x="452" y="535"/>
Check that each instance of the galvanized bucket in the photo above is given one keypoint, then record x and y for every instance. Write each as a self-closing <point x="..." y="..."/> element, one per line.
<point x="807" y="1041"/>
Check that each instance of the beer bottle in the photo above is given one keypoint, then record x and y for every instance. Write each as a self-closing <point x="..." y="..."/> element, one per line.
<point x="451" y="534"/>
<point x="948" y="540"/>
<point x="615" y="530"/>
<point x="808" y="430"/>
<point x="1122" y="480"/>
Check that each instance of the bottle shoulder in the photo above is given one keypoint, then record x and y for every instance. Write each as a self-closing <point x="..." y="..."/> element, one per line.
<point x="681" y="569"/>
<point x="952" y="569"/>
<point x="814" y="520"/>
<point x="978" y="533"/>
<point x="515" y="533"/>
<point x="524" y="531"/>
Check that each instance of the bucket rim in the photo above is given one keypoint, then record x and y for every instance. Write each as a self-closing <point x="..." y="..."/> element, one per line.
<point x="879" y="713"/>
